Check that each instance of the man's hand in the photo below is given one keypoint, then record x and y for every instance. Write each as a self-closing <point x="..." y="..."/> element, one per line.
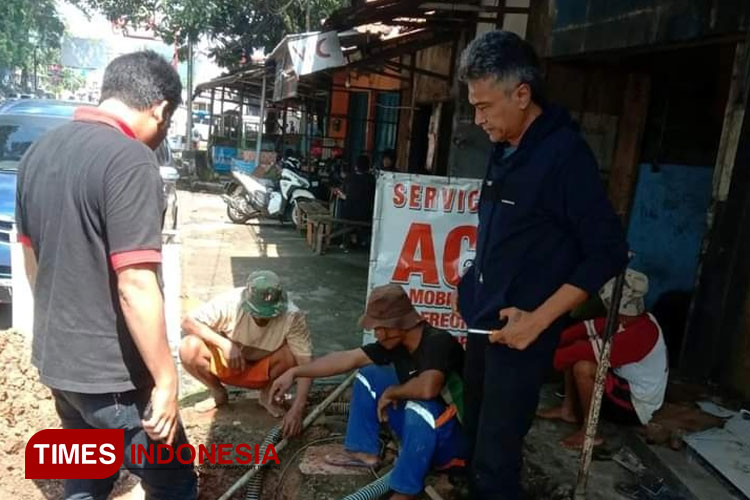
<point x="281" y="386"/>
<point x="521" y="331"/>
<point x="386" y="399"/>
<point x="233" y="354"/>
<point x="291" y="425"/>
<point x="163" y="423"/>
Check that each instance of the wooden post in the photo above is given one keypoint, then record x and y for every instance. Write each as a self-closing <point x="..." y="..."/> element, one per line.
<point x="734" y="116"/>
<point x="628" y="150"/>
<point x="592" y="420"/>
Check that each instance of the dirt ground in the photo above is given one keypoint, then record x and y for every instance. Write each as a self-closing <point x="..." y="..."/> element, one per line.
<point x="26" y="406"/>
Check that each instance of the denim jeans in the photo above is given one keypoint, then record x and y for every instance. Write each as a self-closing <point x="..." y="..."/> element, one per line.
<point x="124" y="410"/>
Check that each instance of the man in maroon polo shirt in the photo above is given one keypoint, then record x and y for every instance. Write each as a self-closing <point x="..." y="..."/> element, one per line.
<point x="88" y="210"/>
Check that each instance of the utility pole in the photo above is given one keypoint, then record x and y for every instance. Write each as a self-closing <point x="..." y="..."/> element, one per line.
<point x="261" y="119"/>
<point x="36" y="85"/>
<point x="189" y="100"/>
<point x="307" y="17"/>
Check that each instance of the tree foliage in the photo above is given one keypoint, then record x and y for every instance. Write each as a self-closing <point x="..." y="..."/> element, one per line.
<point x="236" y="27"/>
<point x="25" y="26"/>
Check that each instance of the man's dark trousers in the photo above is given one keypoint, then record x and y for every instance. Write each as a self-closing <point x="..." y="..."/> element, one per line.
<point x="124" y="410"/>
<point x="501" y="397"/>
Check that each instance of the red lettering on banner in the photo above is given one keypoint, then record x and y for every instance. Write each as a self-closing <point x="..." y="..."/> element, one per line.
<point x="419" y="238"/>
<point x="431" y="198"/>
<point x="449" y="199"/>
<point x="438" y="298"/>
<point x="474" y="201"/>
<point x="452" y="252"/>
<point x="74" y="453"/>
<point x="416" y="296"/>
<point x="415" y="196"/>
<point x="430" y="195"/>
<point x="399" y="195"/>
<point x="446" y="320"/>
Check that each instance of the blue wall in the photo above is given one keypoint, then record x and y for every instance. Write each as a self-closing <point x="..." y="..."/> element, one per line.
<point x="667" y="224"/>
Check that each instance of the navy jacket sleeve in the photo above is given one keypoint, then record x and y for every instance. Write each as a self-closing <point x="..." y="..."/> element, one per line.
<point x="593" y="221"/>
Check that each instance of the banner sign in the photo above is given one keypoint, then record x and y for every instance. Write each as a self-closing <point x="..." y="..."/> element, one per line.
<point x="315" y="52"/>
<point x="424" y="237"/>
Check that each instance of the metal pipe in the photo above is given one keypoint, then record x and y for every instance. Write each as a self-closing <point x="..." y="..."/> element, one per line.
<point x="261" y="121"/>
<point x="309" y="419"/>
<point x="592" y="422"/>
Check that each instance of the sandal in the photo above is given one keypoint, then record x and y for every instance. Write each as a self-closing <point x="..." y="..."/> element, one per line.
<point x="343" y="459"/>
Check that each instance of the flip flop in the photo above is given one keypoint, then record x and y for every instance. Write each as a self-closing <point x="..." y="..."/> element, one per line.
<point x="345" y="460"/>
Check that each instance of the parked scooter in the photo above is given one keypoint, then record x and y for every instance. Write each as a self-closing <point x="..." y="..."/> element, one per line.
<point x="248" y="196"/>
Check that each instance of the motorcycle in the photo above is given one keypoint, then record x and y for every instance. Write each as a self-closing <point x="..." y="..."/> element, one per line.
<point x="248" y="196"/>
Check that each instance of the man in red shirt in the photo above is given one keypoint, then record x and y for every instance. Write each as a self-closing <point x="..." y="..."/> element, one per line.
<point x="89" y="214"/>
<point x="637" y="380"/>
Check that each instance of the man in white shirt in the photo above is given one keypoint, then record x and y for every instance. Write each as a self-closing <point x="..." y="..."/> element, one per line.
<point x="637" y="381"/>
<point x="247" y="337"/>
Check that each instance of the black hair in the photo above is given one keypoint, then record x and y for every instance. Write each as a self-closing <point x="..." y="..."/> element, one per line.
<point x="363" y="163"/>
<point x="506" y="57"/>
<point x="141" y="80"/>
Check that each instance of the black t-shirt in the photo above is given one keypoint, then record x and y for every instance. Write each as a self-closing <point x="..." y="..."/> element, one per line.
<point x="438" y="350"/>
<point x="89" y="201"/>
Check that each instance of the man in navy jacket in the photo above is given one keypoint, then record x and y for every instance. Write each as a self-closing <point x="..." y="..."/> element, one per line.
<point x="548" y="238"/>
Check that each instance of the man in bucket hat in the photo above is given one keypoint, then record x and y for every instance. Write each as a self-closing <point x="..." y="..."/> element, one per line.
<point x="248" y="337"/>
<point x="637" y="380"/>
<point x="409" y="378"/>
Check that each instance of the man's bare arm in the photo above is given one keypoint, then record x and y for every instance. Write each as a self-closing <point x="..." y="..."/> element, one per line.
<point x="330" y="364"/>
<point x="426" y="386"/>
<point x="303" y="383"/>
<point x="143" y="307"/>
<point x="192" y="326"/>
<point x="564" y="300"/>
<point x="524" y="327"/>
<point x="333" y="364"/>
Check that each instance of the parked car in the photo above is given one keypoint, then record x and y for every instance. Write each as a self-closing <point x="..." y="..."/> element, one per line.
<point x="21" y="123"/>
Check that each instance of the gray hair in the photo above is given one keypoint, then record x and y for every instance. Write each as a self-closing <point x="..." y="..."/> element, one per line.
<point x="504" y="56"/>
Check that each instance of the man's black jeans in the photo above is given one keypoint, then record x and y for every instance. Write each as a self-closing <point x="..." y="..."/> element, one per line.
<point x="124" y="410"/>
<point x="501" y="396"/>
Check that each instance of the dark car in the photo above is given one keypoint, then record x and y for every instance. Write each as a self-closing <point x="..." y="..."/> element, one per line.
<point x="21" y="123"/>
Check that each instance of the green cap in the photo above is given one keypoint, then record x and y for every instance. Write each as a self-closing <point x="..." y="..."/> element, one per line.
<point x="263" y="296"/>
